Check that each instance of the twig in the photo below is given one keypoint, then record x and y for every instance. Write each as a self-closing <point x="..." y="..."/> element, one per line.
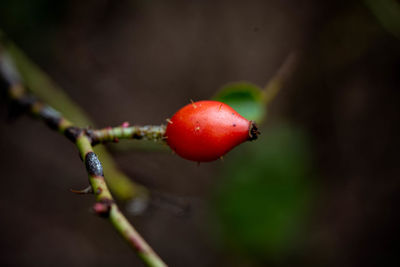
<point x="122" y="187"/>
<point x="274" y="85"/>
<point x="149" y="132"/>
<point x="105" y="206"/>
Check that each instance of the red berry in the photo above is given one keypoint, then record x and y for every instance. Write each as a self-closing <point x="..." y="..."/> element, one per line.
<point x="207" y="130"/>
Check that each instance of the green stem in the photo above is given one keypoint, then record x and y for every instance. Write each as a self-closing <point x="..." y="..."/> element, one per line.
<point x="150" y="132"/>
<point x="41" y="84"/>
<point x="105" y="205"/>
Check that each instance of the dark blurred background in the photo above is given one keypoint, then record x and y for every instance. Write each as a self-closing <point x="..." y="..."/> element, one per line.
<point x="319" y="188"/>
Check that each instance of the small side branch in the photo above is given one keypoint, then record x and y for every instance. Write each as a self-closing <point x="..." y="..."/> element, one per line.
<point x="105" y="205"/>
<point x="114" y="134"/>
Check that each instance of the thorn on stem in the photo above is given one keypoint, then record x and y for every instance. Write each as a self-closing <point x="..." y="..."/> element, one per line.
<point x="87" y="190"/>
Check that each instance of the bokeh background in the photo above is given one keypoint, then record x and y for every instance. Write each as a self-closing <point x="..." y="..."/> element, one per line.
<point x="319" y="188"/>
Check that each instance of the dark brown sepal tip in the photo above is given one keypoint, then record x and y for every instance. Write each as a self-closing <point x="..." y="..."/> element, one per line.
<point x="253" y="131"/>
<point x="93" y="165"/>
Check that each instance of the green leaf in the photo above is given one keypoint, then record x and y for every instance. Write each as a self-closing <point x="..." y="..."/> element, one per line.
<point x="246" y="98"/>
<point x="264" y="196"/>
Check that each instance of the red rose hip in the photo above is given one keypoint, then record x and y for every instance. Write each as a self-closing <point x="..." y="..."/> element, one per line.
<point x="206" y="130"/>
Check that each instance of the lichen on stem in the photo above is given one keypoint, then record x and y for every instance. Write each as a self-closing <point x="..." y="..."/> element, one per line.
<point x="105" y="205"/>
<point x="122" y="187"/>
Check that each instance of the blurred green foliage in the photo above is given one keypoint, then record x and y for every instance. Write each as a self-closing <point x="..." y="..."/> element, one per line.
<point x="388" y="14"/>
<point x="265" y="194"/>
<point x="244" y="97"/>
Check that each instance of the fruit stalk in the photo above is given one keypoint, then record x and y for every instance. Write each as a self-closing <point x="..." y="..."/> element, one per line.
<point x="114" y="134"/>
